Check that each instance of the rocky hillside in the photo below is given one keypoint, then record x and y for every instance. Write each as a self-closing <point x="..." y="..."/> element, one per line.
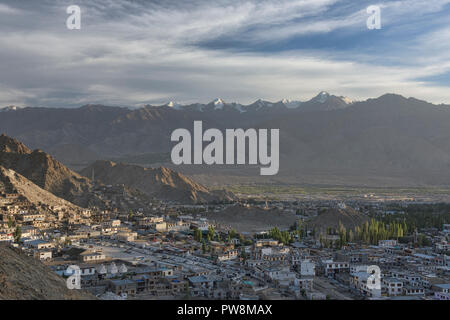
<point x="160" y="183"/>
<point x="12" y="181"/>
<point x="43" y="170"/>
<point x="24" y="278"/>
<point x="331" y="218"/>
<point x="252" y="219"/>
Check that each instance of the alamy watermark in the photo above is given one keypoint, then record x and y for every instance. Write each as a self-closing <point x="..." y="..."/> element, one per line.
<point x="74" y="280"/>
<point x="73" y="22"/>
<point x="189" y="149"/>
<point x="374" y="280"/>
<point x="374" y="21"/>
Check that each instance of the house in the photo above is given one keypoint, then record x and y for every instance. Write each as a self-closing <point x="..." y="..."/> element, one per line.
<point x="120" y="287"/>
<point x="307" y="268"/>
<point x="92" y="256"/>
<point x="331" y="268"/>
<point x="6" y="237"/>
<point x="40" y="244"/>
<point x="413" y="291"/>
<point x="87" y="270"/>
<point x="442" y="287"/>
<point x="387" y="243"/>
<point x="266" y="242"/>
<point x="30" y="217"/>
<point x="304" y="283"/>
<point x="43" y="255"/>
<point x="441" y="296"/>
<point x="201" y="281"/>
<point x="126" y="236"/>
<point x="362" y="282"/>
<point x="392" y="286"/>
<point x="229" y="255"/>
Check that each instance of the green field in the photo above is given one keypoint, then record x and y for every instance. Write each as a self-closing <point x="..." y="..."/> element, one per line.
<point x="332" y="191"/>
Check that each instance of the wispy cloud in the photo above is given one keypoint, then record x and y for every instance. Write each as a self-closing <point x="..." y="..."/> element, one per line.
<point x="138" y="52"/>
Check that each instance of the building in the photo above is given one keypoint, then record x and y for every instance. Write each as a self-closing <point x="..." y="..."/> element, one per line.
<point x="331" y="268"/>
<point x="228" y="255"/>
<point x="43" y="255"/>
<point x="392" y="286"/>
<point x="40" y="244"/>
<point x="120" y="287"/>
<point x="441" y="287"/>
<point x="441" y="296"/>
<point x="366" y="285"/>
<point x="413" y="291"/>
<point x="92" y="256"/>
<point x="307" y="268"/>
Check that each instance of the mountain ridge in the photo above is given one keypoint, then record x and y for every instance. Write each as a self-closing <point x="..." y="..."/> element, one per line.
<point x="161" y="183"/>
<point x="386" y="141"/>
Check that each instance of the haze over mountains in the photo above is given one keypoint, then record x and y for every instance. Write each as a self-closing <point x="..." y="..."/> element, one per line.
<point x="329" y="140"/>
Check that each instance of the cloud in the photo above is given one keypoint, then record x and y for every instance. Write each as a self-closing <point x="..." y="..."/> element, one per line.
<point x="138" y="52"/>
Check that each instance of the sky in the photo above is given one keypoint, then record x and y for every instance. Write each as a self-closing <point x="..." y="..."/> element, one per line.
<point x="135" y="52"/>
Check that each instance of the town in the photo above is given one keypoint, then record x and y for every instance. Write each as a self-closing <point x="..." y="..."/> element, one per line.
<point x="166" y="250"/>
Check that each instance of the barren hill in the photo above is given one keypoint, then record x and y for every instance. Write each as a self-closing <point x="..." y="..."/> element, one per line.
<point x="331" y="218"/>
<point x="43" y="170"/>
<point x="161" y="183"/>
<point x="11" y="180"/>
<point x="24" y="278"/>
<point x="244" y="219"/>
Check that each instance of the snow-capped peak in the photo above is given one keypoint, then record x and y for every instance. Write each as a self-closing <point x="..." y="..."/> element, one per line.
<point x="218" y="103"/>
<point x="174" y="105"/>
<point x="346" y="100"/>
<point x="263" y="104"/>
<point x="322" y="97"/>
<point x="9" y="108"/>
<point x="291" y="104"/>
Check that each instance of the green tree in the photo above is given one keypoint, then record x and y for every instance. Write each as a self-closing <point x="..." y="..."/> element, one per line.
<point x="10" y="222"/>
<point x="350" y="235"/>
<point x="211" y="232"/>
<point x="187" y="291"/>
<point x="17" y="234"/>
<point x="198" y="235"/>
<point x="204" y="247"/>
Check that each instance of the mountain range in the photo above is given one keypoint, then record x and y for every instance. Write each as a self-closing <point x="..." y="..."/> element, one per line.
<point x="329" y="140"/>
<point x="37" y="175"/>
<point x="159" y="183"/>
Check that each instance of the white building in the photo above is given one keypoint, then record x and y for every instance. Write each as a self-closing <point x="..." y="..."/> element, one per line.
<point x="307" y="268"/>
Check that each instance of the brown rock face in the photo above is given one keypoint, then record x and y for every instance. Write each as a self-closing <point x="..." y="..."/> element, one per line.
<point x="24" y="278"/>
<point x="331" y="218"/>
<point x="11" y="145"/>
<point x="40" y="168"/>
<point x="161" y="183"/>
<point x="12" y="181"/>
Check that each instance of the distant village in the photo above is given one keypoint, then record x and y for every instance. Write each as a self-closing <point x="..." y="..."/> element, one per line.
<point x="166" y="250"/>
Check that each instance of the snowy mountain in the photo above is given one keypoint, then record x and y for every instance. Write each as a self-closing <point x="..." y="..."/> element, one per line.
<point x="326" y="100"/>
<point x="9" y="108"/>
<point x="324" y="97"/>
